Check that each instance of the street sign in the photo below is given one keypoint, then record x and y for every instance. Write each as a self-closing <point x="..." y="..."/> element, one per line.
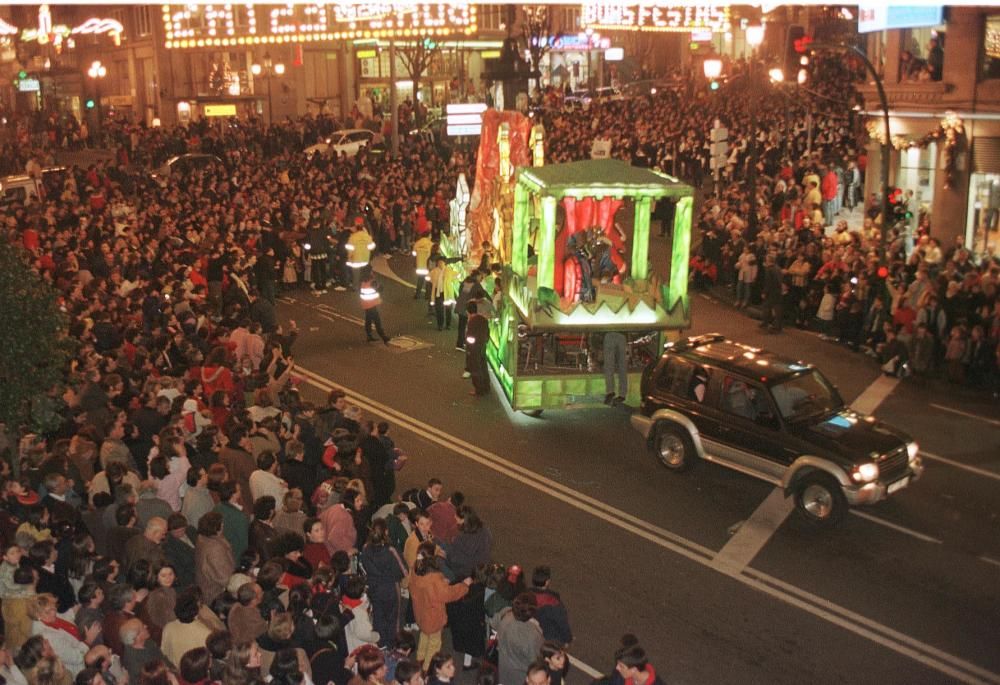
<point x="220" y="110"/>
<point x="465" y="118"/>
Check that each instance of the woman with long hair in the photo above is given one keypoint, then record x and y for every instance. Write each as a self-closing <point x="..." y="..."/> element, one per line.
<point x="556" y="662"/>
<point x="430" y="593"/>
<point x="385" y="570"/>
<point x="156" y="672"/>
<point x="161" y="601"/>
<point x="371" y="666"/>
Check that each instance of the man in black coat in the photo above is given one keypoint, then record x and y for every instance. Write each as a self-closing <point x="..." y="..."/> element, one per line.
<point x="773" y="295"/>
<point x="179" y="550"/>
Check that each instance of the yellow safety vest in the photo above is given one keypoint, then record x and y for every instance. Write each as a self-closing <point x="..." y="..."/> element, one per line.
<point x="422" y="251"/>
<point x="359" y="249"/>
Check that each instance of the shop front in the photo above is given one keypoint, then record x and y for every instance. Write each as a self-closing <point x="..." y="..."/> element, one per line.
<point x="982" y="227"/>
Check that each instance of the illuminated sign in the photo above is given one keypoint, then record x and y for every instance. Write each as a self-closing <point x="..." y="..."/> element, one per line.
<point x="200" y="26"/>
<point x="29" y="85"/>
<point x="47" y="32"/>
<point x="220" y="110"/>
<point x="614" y="54"/>
<point x="654" y="17"/>
<point x="879" y="16"/>
<point x="366" y="54"/>
<point x="490" y="54"/>
<point x="465" y="119"/>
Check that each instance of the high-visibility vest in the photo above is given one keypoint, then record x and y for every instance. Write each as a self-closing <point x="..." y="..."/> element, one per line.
<point x="422" y="251"/>
<point x="359" y="249"/>
<point x="369" y="295"/>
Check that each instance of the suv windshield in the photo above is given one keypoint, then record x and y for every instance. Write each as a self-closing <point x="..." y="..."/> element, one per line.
<point x="808" y="394"/>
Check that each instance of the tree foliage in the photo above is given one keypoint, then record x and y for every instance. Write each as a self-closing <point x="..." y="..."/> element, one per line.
<point x="34" y="345"/>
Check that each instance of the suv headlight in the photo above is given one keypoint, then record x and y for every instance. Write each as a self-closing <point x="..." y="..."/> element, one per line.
<point x="865" y="473"/>
<point x="912" y="450"/>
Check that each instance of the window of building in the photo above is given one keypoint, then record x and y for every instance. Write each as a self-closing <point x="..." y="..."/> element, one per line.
<point x="991" y="47"/>
<point x="119" y="16"/>
<point x="489" y="17"/>
<point x="143" y="26"/>
<point x="922" y="54"/>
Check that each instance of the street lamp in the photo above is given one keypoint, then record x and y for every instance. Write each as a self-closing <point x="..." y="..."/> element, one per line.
<point x="97" y="72"/>
<point x="886" y="141"/>
<point x="713" y="68"/>
<point x="755" y="35"/>
<point x="777" y="75"/>
<point x="269" y="69"/>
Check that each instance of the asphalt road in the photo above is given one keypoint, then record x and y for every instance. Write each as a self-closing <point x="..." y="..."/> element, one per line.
<point x="905" y="592"/>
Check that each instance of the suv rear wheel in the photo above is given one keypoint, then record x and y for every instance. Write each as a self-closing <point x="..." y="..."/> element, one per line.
<point x="820" y="500"/>
<point x="672" y="447"/>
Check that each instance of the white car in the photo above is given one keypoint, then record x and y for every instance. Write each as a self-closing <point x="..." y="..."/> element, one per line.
<point x="349" y="141"/>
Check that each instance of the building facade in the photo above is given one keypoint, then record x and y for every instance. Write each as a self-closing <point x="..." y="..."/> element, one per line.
<point x="943" y="89"/>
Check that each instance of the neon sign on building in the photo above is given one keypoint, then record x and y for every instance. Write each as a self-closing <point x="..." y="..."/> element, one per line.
<point x="199" y="26"/>
<point x="654" y="16"/>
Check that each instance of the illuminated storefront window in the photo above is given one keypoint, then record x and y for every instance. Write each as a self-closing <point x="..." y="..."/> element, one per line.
<point x="982" y="231"/>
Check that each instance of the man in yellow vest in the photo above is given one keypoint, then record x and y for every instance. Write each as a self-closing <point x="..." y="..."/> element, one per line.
<point x="422" y="251"/>
<point x="359" y="250"/>
<point x="370" y="301"/>
<point x="443" y="291"/>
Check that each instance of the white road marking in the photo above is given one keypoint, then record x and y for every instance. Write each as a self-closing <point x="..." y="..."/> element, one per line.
<point x="380" y="265"/>
<point x="988" y="560"/>
<point x="966" y="414"/>
<point x="344" y="317"/>
<point x="928" y="655"/>
<point x="869" y="400"/>
<point x="589" y="670"/>
<point x="896" y="527"/>
<point x="959" y="465"/>
<point x="755" y="532"/>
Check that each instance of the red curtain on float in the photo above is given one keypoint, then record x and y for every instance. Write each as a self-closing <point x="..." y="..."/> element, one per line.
<point x="581" y="215"/>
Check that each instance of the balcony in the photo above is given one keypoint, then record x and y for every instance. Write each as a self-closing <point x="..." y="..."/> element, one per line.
<point x="929" y="94"/>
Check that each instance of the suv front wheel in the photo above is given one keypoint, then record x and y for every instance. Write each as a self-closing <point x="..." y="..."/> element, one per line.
<point x="820" y="500"/>
<point x="672" y="447"/>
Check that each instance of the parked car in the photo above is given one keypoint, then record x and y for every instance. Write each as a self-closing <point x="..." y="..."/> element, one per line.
<point x="182" y="164"/>
<point x="772" y="418"/>
<point x="24" y="189"/>
<point x="349" y="141"/>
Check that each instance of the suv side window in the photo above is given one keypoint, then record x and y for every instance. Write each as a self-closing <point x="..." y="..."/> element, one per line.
<point x="745" y="400"/>
<point x="675" y="376"/>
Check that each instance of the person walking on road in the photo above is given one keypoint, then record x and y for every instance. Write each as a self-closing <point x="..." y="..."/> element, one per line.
<point x="370" y="301"/>
<point x="614" y="362"/>
<point x="442" y="278"/>
<point x="359" y="250"/>
<point x="773" y="296"/>
<point x="477" y="333"/>
<point x="470" y="290"/>
<point x="422" y="252"/>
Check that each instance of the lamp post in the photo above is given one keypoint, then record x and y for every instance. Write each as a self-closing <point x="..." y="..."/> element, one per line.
<point x="754" y="37"/>
<point x="885" y="141"/>
<point x="97" y="72"/>
<point x="269" y="69"/>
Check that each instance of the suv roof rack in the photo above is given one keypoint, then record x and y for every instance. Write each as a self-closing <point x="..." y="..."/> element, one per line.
<point x="696" y="341"/>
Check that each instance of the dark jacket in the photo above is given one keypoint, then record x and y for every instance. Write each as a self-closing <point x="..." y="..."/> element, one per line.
<point x="552" y="616"/>
<point x="180" y="554"/>
<point x="468" y="551"/>
<point x="262" y="539"/>
<point x="235" y="528"/>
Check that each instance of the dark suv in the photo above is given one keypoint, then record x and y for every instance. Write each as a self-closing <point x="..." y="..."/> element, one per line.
<point x="778" y="420"/>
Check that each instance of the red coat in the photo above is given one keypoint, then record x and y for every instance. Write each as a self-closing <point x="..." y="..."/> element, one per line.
<point x="430" y="594"/>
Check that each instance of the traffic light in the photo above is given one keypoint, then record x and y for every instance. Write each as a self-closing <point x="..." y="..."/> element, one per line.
<point x="897" y="206"/>
<point x="714" y="85"/>
<point x="21" y="75"/>
<point x="429" y="44"/>
<point x="89" y="104"/>
<point x="795" y="46"/>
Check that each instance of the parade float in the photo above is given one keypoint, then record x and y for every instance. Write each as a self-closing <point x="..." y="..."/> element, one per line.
<point x="574" y="241"/>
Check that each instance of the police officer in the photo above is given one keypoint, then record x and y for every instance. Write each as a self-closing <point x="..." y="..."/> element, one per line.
<point x="359" y="249"/>
<point x="370" y="301"/>
<point x="422" y="251"/>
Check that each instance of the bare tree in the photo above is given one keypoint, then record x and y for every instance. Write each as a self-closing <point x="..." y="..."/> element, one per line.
<point x="536" y="29"/>
<point x="416" y="59"/>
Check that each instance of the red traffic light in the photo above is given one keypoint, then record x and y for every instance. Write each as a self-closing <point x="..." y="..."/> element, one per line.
<point x="802" y="44"/>
<point x="895" y="196"/>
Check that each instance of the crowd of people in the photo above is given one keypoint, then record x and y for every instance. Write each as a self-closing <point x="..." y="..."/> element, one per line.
<point x="177" y="512"/>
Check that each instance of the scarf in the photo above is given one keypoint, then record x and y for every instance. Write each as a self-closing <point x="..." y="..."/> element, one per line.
<point x="60" y="624"/>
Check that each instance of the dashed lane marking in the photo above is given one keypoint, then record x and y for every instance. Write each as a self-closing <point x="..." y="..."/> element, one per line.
<point x="872" y="396"/>
<point x="754" y="533"/>
<point x="959" y="465"/>
<point x="948" y="664"/>
<point x="966" y="414"/>
<point x="896" y="527"/>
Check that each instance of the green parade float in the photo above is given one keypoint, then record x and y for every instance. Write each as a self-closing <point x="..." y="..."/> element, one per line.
<point x="576" y="265"/>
